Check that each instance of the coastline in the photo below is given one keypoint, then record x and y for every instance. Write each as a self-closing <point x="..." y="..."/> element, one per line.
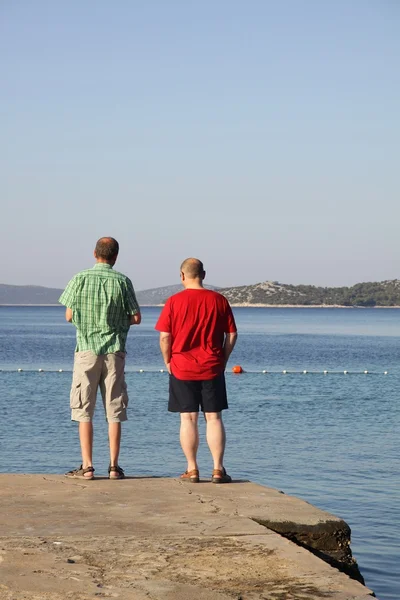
<point x="244" y="305"/>
<point x="248" y="305"/>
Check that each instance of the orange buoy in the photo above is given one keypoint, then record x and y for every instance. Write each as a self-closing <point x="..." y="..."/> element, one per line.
<point x="237" y="369"/>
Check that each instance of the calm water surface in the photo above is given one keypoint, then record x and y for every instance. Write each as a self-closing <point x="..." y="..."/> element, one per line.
<point x="331" y="439"/>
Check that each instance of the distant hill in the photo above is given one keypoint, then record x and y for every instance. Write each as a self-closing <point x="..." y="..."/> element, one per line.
<point x="271" y="293"/>
<point x="33" y="294"/>
<point x="159" y="295"/>
<point x="384" y="293"/>
<point x="156" y="296"/>
<point x="28" y="294"/>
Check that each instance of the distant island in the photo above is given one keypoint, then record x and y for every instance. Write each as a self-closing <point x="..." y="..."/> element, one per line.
<point x="272" y="293"/>
<point x="34" y="295"/>
<point x="157" y="296"/>
<point x="267" y="293"/>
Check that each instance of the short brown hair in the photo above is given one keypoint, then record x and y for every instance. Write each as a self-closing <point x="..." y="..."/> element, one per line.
<point x="193" y="268"/>
<point x="107" y="248"/>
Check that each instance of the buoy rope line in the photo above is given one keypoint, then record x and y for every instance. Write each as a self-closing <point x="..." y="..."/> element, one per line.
<point x="235" y="371"/>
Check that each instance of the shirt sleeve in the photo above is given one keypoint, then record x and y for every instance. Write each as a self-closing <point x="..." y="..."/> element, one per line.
<point x="230" y="324"/>
<point x="164" y="320"/>
<point x="131" y="304"/>
<point x="68" y="296"/>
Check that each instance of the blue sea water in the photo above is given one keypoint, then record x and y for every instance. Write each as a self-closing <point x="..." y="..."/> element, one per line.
<point x="332" y="439"/>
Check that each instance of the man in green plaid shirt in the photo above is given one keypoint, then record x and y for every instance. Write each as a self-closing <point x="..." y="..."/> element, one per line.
<point x="102" y="305"/>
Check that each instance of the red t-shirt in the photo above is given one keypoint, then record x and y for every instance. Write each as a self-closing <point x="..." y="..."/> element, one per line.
<point x="197" y="321"/>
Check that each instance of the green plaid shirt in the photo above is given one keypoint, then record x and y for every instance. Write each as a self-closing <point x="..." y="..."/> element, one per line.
<point x="102" y="302"/>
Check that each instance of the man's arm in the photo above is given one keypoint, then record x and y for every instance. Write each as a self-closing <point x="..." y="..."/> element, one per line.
<point x="165" y="346"/>
<point x="68" y="296"/>
<point x="229" y="344"/>
<point x="131" y="304"/>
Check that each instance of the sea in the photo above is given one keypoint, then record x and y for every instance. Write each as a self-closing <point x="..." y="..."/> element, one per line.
<point x="315" y="413"/>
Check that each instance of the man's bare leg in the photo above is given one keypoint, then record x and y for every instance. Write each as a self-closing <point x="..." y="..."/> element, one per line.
<point x="114" y="436"/>
<point x="189" y="438"/>
<point x="216" y="438"/>
<point x="86" y="440"/>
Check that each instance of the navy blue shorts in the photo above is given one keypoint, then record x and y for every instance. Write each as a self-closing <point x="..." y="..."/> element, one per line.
<point x="191" y="396"/>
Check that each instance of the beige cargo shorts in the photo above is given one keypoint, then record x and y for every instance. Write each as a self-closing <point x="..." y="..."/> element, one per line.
<point x="92" y="371"/>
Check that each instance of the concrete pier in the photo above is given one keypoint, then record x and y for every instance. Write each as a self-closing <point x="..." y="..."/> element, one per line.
<point x="162" y="539"/>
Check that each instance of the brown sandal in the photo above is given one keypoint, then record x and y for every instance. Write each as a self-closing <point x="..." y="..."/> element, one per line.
<point x="220" y="476"/>
<point x="192" y="476"/>
<point x="115" y="472"/>
<point x="81" y="473"/>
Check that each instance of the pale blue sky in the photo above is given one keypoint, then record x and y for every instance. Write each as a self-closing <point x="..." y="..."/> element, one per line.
<point x="261" y="136"/>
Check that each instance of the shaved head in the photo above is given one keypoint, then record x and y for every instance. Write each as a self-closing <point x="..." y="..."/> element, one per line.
<point x="193" y="268"/>
<point x="107" y="249"/>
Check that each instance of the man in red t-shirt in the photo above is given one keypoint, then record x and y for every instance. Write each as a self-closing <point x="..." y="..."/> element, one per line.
<point x="197" y="335"/>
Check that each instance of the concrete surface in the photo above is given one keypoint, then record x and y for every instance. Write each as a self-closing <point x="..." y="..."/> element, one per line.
<point x="159" y="539"/>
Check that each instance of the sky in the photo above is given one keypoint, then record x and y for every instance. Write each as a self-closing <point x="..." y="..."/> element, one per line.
<point x="261" y="137"/>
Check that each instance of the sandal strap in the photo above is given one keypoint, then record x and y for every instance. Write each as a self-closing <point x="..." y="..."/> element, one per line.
<point x="80" y="470"/>
<point x="116" y="469"/>
<point x="192" y="473"/>
<point x="219" y="472"/>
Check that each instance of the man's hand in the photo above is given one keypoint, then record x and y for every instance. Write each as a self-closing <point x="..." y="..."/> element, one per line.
<point x="165" y="347"/>
<point x="135" y="319"/>
<point x="229" y="344"/>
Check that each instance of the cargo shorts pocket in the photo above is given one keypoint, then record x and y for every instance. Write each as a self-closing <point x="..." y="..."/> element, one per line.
<point x="124" y="395"/>
<point x="116" y="406"/>
<point x="75" y="399"/>
<point x="120" y="400"/>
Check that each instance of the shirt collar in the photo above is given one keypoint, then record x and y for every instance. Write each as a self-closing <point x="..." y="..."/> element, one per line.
<point x="102" y="266"/>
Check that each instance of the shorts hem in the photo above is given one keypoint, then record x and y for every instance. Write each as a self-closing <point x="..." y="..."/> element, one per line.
<point x="116" y="420"/>
<point x="198" y="410"/>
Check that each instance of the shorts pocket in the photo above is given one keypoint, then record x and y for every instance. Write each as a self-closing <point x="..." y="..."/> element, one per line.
<point x="120" y="402"/>
<point x="75" y="399"/>
<point x="124" y="395"/>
